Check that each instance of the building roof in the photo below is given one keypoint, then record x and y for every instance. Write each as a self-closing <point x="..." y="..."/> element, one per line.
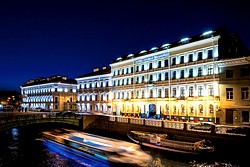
<point x="96" y="72"/>
<point x="228" y="40"/>
<point x="52" y="79"/>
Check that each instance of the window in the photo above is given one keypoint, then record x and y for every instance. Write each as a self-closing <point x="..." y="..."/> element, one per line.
<point x="137" y="93"/>
<point x="142" y="67"/>
<point x="159" y="64"/>
<point x="137" y="68"/>
<point x="200" y="90"/>
<point x="244" y="72"/>
<point x="182" y="108"/>
<point x="210" y="70"/>
<point x="174" y="75"/>
<point x="159" y="77"/>
<point x="199" y="71"/>
<point x="118" y="72"/>
<point x="210" y="54"/>
<point x="181" y="59"/>
<point x="191" y="109"/>
<point x="190" y="75"/>
<point x="244" y="93"/>
<point x="159" y="93"/>
<point x="174" y="92"/>
<point x="127" y="71"/>
<point x="182" y="74"/>
<point x="210" y="90"/>
<point x="200" y="108"/>
<point x="150" y="66"/>
<point x="199" y="56"/>
<point x="166" y="75"/>
<point x="142" y="94"/>
<point x="229" y="73"/>
<point x="191" y="91"/>
<point x="122" y="71"/>
<point x="137" y="80"/>
<point x="142" y="79"/>
<point x="173" y="61"/>
<point x="166" y="62"/>
<point x="132" y="80"/>
<point x="229" y="92"/>
<point x="190" y="57"/>
<point x="132" y="69"/>
<point x="150" y="78"/>
<point x="182" y="92"/>
<point x="166" y="92"/>
<point x="211" y="108"/>
<point x="151" y="93"/>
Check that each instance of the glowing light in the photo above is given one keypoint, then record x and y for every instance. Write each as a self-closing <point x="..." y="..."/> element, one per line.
<point x="166" y="46"/>
<point x="130" y="55"/>
<point x="184" y="40"/>
<point x="143" y="51"/>
<point x="207" y="33"/>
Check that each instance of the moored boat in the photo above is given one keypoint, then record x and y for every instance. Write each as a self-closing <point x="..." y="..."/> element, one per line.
<point x="163" y="142"/>
<point x="100" y="148"/>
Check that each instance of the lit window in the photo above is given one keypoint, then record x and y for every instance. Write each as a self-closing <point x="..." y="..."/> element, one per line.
<point x="229" y="92"/>
<point x="210" y="90"/>
<point x="211" y="108"/>
<point x="191" y="91"/>
<point x="210" y="70"/>
<point x="200" y="90"/>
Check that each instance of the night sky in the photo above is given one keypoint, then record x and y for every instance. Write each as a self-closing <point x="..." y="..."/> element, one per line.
<point x="43" y="38"/>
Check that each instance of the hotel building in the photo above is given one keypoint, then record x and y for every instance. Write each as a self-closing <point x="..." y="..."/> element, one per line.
<point x="200" y="78"/>
<point x="180" y="80"/>
<point x="56" y="93"/>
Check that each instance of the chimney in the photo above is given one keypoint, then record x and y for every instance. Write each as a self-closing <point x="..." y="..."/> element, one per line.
<point x="96" y="69"/>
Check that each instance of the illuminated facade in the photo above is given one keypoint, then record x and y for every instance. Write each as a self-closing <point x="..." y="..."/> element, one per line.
<point x="94" y="91"/>
<point x="175" y="81"/>
<point x="55" y="93"/>
<point x="201" y="78"/>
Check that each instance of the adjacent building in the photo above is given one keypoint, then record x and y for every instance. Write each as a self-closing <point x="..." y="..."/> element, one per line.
<point x="94" y="91"/>
<point x="55" y="93"/>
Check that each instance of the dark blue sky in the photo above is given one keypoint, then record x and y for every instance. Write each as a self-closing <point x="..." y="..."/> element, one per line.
<point x="42" y="38"/>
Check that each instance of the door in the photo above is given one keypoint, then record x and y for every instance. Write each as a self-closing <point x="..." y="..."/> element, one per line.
<point x="245" y="116"/>
<point x="229" y="116"/>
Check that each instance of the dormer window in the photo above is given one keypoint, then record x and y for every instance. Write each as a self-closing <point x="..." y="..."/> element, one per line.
<point x="184" y="40"/>
<point x="207" y="34"/>
<point x="130" y="56"/>
<point x="165" y="46"/>
<point x="143" y="52"/>
<point x="154" y="49"/>
<point x="119" y="58"/>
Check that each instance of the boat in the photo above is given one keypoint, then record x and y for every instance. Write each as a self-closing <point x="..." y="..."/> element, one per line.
<point x="100" y="148"/>
<point x="164" y="142"/>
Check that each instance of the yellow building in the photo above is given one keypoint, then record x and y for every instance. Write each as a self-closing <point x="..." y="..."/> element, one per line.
<point x="234" y="88"/>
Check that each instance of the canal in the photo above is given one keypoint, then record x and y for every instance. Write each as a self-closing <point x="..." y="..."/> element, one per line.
<point x="22" y="147"/>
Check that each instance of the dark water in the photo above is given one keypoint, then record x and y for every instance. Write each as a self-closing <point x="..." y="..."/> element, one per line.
<point x="22" y="147"/>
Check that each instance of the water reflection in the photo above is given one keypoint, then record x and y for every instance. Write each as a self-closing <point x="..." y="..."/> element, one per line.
<point x="19" y="147"/>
